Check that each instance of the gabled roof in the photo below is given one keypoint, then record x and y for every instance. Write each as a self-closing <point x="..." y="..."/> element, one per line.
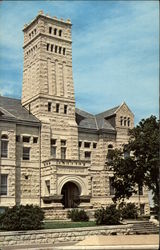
<point x="108" y="112"/>
<point x="97" y="122"/>
<point x="11" y="108"/>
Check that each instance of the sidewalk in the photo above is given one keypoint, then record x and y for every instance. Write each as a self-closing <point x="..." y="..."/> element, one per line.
<point x="114" y="242"/>
<point x="125" y="242"/>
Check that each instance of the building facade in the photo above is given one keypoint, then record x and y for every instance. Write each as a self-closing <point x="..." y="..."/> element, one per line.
<point x="53" y="154"/>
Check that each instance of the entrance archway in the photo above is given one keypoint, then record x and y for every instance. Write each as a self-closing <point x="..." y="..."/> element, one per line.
<point x="71" y="195"/>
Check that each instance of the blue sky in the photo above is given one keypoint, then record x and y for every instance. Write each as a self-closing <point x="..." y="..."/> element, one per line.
<point x="115" y="51"/>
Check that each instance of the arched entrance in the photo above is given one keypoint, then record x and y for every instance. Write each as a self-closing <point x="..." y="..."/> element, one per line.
<point x="71" y="195"/>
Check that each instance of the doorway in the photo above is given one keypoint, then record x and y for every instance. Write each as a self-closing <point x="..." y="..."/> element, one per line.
<point x="71" y="194"/>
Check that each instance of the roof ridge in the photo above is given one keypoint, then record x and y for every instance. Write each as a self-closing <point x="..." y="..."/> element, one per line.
<point x="96" y="121"/>
<point x="6" y="97"/>
<point x="116" y="107"/>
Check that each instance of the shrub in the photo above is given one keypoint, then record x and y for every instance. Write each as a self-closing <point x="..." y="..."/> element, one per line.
<point x="128" y="210"/>
<point x="21" y="217"/>
<point x="78" y="215"/>
<point x="107" y="216"/>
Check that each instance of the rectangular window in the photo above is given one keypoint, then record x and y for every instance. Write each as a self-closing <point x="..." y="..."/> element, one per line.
<point x="87" y="144"/>
<point x="49" y="106"/>
<point x="26" y="138"/>
<point x="64" y="51"/>
<point x="80" y="144"/>
<point x="63" y="142"/>
<point x="65" y="109"/>
<point x="53" y="151"/>
<point x="3" y="184"/>
<point x="87" y="155"/>
<point x="26" y="153"/>
<point x="57" y="107"/>
<point x="51" y="47"/>
<point x="53" y="141"/>
<point x="111" y="187"/>
<point x="56" y="48"/>
<point x="94" y="145"/>
<point x="35" y="139"/>
<point x="48" y="186"/>
<point x="47" y="46"/>
<point x="63" y="153"/>
<point x="4" y="148"/>
<point x="17" y="138"/>
<point x="60" y="49"/>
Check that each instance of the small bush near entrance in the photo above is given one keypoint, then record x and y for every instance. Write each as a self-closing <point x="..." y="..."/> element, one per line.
<point x="108" y="216"/>
<point x="78" y="215"/>
<point x="128" y="210"/>
<point x="21" y="217"/>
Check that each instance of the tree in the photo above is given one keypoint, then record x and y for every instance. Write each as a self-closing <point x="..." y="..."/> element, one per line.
<point x="141" y="167"/>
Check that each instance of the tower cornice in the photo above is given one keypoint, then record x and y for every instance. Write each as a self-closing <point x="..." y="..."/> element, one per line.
<point x="47" y="17"/>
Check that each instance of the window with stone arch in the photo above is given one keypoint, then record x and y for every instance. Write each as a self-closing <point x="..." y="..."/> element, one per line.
<point x="128" y="122"/>
<point x="4" y="146"/>
<point x="121" y="120"/>
<point x="109" y="154"/>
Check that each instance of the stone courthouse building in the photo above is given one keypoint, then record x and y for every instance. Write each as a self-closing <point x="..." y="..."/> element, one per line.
<point x="53" y="154"/>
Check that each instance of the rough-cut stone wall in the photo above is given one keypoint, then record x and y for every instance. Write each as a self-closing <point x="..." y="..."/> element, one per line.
<point x="28" y="171"/>
<point x="7" y="165"/>
<point x="23" y="175"/>
<point x="53" y="236"/>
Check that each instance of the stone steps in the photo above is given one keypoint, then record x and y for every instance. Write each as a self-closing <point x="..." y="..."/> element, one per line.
<point x="145" y="228"/>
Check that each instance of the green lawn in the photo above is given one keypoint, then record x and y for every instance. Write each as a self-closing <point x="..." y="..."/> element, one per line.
<point x="68" y="224"/>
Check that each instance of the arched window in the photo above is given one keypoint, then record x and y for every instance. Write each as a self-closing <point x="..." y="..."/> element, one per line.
<point x="50" y="30"/>
<point x="121" y="120"/>
<point x="109" y="154"/>
<point x="128" y="121"/>
<point x="125" y="121"/>
<point x="4" y="146"/>
<point x="60" y="32"/>
<point x="55" y="31"/>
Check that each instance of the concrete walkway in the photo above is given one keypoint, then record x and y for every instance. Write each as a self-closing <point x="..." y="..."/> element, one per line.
<point x="126" y="242"/>
<point x="114" y="242"/>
